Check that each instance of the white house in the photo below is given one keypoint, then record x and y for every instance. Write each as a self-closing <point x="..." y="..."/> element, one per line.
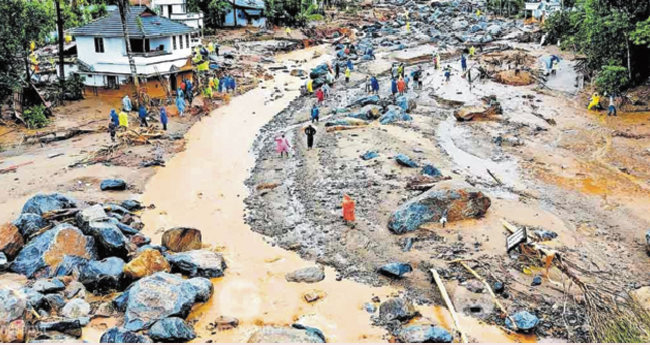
<point x="543" y="8"/>
<point x="160" y="47"/>
<point x="176" y="10"/>
<point x="246" y="13"/>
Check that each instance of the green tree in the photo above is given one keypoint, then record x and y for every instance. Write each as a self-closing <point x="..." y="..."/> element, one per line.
<point x="612" y="79"/>
<point x="23" y="22"/>
<point x="641" y="34"/>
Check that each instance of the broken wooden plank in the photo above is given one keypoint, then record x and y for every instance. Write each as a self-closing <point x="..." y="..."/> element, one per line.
<point x="13" y="168"/>
<point x="494" y="177"/>
<point x="450" y="306"/>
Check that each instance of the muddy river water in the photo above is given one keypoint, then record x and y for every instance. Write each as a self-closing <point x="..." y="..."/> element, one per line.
<point x="203" y="187"/>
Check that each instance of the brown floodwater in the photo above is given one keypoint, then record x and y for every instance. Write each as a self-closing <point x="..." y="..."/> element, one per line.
<point x="203" y="187"/>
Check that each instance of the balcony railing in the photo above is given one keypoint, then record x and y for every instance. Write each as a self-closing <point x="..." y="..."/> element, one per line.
<point x="152" y="53"/>
<point x="185" y="16"/>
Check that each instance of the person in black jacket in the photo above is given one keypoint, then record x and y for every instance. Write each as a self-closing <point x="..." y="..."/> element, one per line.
<point x="310" y="132"/>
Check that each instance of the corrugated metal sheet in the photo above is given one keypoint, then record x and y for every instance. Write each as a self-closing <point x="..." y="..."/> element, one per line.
<point x="152" y="25"/>
<point x="252" y="4"/>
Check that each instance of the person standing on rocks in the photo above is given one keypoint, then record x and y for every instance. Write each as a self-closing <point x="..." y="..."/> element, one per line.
<point x="612" y="106"/>
<point x="126" y="104"/>
<point x="401" y="86"/>
<point x="124" y="120"/>
<point x="320" y="95"/>
<point x="393" y="86"/>
<point x="315" y="112"/>
<point x="143" y="117"/>
<point x="114" y="118"/>
<point x="310" y="132"/>
<point x="337" y="70"/>
<point x="374" y="83"/>
<point x="163" y="118"/>
<point x="180" y="104"/>
<point x="282" y="146"/>
<point x="463" y="62"/>
<point x="347" y="75"/>
<point x="112" y="128"/>
<point x="350" y="65"/>
<point x="447" y="73"/>
<point x="368" y="85"/>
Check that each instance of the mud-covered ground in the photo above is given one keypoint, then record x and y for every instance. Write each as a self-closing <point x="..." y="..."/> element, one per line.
<point x="583" y="178"/>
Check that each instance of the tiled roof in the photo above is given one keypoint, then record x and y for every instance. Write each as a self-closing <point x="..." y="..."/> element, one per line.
<point x="152" y="25"/>
<point x="254" y="4"/>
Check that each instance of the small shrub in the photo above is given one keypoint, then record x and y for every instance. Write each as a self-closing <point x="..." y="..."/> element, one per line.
<point x="612" y="79"/>
<point x="35" y="117"/>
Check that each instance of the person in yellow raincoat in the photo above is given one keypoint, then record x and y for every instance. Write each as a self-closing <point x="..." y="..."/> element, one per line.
<point x="478" y="12"/>
<point x="288" y="31"/>
<point x="347" y="74"/>
<point x="208" y="91"/>
<point x="211" y="83"/>
<point x="408" y="27"/>
<point x="472" y="51"/>
<point x="438" y="61"/>
<point x="310" y="86"/>
<point x="123" y="120"/>
<point x="595" y="101"/>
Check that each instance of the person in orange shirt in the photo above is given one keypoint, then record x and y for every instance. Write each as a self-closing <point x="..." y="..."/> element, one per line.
<point x="401" y="86"/>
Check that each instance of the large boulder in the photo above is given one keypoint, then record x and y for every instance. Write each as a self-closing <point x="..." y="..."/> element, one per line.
<point x="394" y="114"/>
<point x="43" y="254"/>
<point x="395" y="270"/>
<point x="29" y="224"/>
<point x="182" y="239"/>
<point x="132" y="205"/>
<point x="424" y="334"/>
<point x="482" y="111"/>
<point x="430" y="170"/>
<point x="111" y="241"/>
<point x="366" y="100"/>
<point x="272" y="334"/>
<point x="34" y="298"/>
<point x="113" y="184"/>
<point x="145" y="264"/>
<point x="347" y="121"/>
<point x="123" y="336"/>
<point x="71" y="265"/>
<point x="367" y="113"/>
<point x="41" y="203"/>
<point x="4" y="262"/>
<point x="524" y="320"/>
<point x="14" y="332"/>
<point x="76" y="308"/>
<point x="431" y="206"/>
<point x="11" y="241"/>
<point x="406" y="103"/>
<point x="104" y="275"/>
<point x="400" y="308"/>
<point x="154" y="298"/>
<point x="306" y="275"/>
<point x="198" y="263"/>
<point x="12" y="305"/>
<point x="171" y="330"/>
<point x="404" y="160"/>
<point x="46" y="286"/>
<point x="203" y="288"/>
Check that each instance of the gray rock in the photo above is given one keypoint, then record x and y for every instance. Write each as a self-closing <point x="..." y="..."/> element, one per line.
<point x="424" y="334"/>
<point x="400" y="308"/>
<point x="93" y="221"/>
<point x="494" y="30"/>
<point x="41" y="256"/>
<point x="132" y="205"/>
<point x="198" y="263"/>
<point x="394" y="114"/>
<point x="271" y="334"/>
<point x="67" y="326"/>
<point x="46" y="286"/>
<point x="29" y="223"/>
<point x="395" y="270"/>
<point x="366" y="100"/>
<point x="105" y="309"/>
<point x="76" y="308"/>
<point x="430" y="170"/>
<point x="537" y="280"/>
<point x="370" y="308"/>
<point x="54" y="302"/>
<point x="42" y="203"/>
<point x="71" y="265"/>
<point x="112" y="184"/>
<point x="34" y="299"/>
<point x="171" y="330"/>
<point x="524" y="320"/>
<point x="404" y="160"/>
<point x="103" y="276"/>
<point x="4" y="263"/>
<point x="435" y="204"/>
<point x="203" y="288"/>
<point x="12" y="305"/>
<point x="154" y="298"/>
<point x="123" y="336"/>
<point x="75" y="289"/>
<point x="182" y="239"/>
<point x="306" y="275"/>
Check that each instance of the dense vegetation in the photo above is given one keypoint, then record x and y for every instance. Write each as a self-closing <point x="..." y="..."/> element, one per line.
<point x="614" y="35"/>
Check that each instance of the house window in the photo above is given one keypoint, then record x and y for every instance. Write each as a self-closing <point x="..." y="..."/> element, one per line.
<point x="180" y="39"/>
<point x="183" y="9"/>
<point x="187" y="39"/>
<point x="140" y="45"/>
<point x="174" y="42"/>
<point x="99" y="45"/>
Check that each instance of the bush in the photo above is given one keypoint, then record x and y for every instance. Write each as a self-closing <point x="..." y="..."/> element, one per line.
<point x="35" y="117"/>
<point x="74" y="87"/>
<point x="612" y="79"/>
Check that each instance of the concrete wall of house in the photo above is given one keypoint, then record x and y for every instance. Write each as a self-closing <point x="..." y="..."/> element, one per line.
<point x="243" y="19"/>
<point x="114" y="59"/>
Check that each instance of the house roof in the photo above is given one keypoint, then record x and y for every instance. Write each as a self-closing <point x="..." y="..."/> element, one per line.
<point x="252" y="4"/>
<point x="152" y="25"/>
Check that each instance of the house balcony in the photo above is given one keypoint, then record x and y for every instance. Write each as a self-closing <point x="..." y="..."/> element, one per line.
<point x="186" y="16"/>
<point x="149" y="54"/>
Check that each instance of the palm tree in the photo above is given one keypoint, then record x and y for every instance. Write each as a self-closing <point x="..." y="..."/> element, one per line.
<point x="125" y="8"/>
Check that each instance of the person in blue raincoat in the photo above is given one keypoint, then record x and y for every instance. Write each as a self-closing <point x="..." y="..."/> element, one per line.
<point x="374" y="83"/>
<point x="393" y="86"/>
<point x="143" y="116"/>
<point x="188" y="90"/>
<point x="180" y="103"/>
<point x="350" y="66"/>
<point x="463" y="63"/>
<point x="114" y="118"/>
<point x="163" y="118"/>
<point x="314" y="114"/>
<point x="222" y="81"/>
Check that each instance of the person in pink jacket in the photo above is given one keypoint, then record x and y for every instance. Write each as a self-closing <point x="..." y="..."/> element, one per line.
<point x="282" y="146"/>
